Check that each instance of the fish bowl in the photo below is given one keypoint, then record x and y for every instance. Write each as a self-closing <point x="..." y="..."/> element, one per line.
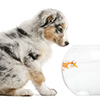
<point x="81" y="69"/>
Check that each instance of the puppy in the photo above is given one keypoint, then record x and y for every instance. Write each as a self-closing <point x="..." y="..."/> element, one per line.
<point x="25" y="48"/>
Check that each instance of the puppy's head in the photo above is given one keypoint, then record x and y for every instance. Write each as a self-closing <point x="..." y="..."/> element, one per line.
<point x="54" y="26"/>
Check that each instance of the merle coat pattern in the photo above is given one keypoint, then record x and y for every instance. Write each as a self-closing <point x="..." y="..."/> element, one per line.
<point x="25" y="48"/>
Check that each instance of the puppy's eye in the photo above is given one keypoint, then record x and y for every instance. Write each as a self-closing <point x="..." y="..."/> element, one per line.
<point x="60" y="30"/>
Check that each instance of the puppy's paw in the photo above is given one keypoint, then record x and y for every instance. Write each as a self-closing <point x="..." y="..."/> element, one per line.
<point x="53" y="92"/>
<point x="48" y="92"/>
<point x="23" y="92"/>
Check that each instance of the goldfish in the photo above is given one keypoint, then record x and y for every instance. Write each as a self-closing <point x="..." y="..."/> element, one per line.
<point x="69" y="64"/>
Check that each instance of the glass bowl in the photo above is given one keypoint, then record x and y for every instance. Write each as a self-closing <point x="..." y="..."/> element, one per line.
<point x="81" y="69"/>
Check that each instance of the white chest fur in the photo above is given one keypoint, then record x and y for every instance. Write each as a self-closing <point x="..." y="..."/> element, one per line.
<point x="45" y="52"/>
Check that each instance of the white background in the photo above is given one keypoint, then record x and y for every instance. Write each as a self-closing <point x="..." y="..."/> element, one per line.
<point x="84" y="28"/>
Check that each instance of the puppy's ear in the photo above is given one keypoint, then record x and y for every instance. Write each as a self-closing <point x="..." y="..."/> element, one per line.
<point x="46" y="20"/>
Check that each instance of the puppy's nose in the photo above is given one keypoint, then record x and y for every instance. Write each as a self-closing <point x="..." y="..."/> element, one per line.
<point x="66" y="42"/>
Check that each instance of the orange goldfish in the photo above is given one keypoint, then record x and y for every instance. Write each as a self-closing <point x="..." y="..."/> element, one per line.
<point x="72" y="64"/>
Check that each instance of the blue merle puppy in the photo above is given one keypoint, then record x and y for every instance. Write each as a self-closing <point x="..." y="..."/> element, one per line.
<point x="25" y="48"/>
